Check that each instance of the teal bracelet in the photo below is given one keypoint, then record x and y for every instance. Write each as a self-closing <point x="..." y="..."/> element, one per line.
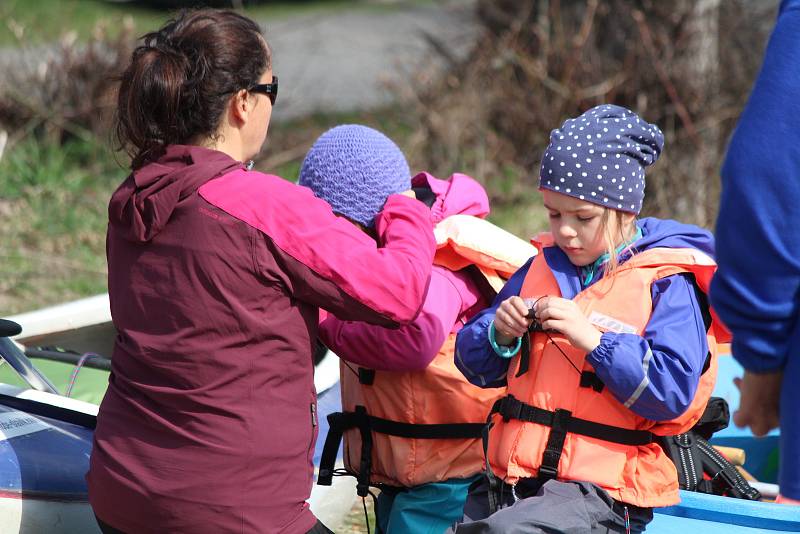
<point x="503" y="351"/>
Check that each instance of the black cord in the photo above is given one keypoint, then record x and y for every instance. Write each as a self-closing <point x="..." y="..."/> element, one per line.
<point x="348" y="366"/>
<point x="536" y="326"/>
<point x="366" y="515"/>
<point x="562" y="352"/>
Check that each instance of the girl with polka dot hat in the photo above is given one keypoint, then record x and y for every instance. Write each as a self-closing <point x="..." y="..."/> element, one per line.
<point x="604" y="340"/>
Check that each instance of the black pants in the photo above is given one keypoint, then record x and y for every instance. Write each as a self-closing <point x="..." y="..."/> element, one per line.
<point x="319" y="528"/>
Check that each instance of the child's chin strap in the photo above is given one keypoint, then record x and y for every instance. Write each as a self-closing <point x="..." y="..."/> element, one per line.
<point x="588" y="272"/>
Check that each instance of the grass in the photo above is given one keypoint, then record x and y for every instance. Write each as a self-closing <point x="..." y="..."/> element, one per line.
<point x="53" y="201"/>
<point x="42" y="21"/>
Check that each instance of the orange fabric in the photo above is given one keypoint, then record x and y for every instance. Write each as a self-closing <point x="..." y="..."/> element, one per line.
<point x="642" y="476"/>
<point x="463" y="240"/>
<point x="438" y="394"/>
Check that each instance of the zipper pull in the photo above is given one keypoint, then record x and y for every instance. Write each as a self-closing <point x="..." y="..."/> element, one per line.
<point x="313" y="414"/>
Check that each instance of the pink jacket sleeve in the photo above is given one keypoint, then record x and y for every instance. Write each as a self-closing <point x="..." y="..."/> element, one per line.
<point x="326" y="261"/>
<point x="412" y="347"/>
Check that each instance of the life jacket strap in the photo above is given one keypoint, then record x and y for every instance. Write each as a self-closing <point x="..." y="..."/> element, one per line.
<point x="561" y="422"/>
<point x="494" y="492"/>
<point x="591" y="380"/>
<point x="340" y="422"/>
<point x="511" y="408"/>
<point x="426" y="431"/>
<point x="548" y="469"/>
<point x="366" y="376"/>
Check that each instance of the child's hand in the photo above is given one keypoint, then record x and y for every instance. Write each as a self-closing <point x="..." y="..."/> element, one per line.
<point x="564" y="316"/>
<point x="759" y="405"/>
<point x="510" y="320"/>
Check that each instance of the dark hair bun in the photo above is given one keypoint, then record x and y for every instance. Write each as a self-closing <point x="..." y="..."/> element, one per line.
<point x="181" y="77"/>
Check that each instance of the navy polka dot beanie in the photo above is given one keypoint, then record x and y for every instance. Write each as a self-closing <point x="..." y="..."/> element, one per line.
<point x="354" y="169"/>
<point x="600" y="157"/>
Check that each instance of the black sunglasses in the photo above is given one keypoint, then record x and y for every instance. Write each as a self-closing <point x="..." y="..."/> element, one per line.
<point x="269" y="89"/>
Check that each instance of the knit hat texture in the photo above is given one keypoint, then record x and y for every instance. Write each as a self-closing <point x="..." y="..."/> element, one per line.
<point x="354" y="169"/>
<point x="600" y="157"/>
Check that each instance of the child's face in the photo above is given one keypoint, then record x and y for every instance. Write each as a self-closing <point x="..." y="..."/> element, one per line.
<point x="577" y="227"/>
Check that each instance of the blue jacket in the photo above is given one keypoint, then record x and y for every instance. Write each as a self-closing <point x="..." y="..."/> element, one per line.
<point x="757" y="287"/>
<point x="676" y="337"/>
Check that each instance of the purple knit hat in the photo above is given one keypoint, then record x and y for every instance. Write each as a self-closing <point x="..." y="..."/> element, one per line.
<point x="354" y="169"/>
<point x="600" y="157"/>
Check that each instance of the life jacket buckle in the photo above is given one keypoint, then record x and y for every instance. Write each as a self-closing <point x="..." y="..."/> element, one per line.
<point x="547" y="472"/>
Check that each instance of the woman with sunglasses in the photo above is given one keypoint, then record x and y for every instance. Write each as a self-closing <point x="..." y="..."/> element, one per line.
<point x="216" y="276"/>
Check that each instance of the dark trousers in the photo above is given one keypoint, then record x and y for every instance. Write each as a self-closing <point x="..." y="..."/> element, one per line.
<point x="319" y="528"/>
<point x="568" y="507"/>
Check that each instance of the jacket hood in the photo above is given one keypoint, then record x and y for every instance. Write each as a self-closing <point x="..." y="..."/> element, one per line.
<point x="145" y="201"/>
<point x="459" y="195"/>
<point x="672" y="234"/>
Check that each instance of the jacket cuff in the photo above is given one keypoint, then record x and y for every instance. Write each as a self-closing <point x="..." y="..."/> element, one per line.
<point x="601" y="355"/>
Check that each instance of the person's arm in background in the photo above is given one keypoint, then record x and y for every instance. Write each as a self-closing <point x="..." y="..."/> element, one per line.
<point x="475" y="357"/>
<point x="411" y="347"/>
<point x="757" y="287"/>
<point x="656" y="374"/>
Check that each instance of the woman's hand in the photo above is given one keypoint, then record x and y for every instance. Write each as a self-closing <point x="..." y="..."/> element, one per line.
<point x="511" y="321"/>
<point x="564" y="316"/>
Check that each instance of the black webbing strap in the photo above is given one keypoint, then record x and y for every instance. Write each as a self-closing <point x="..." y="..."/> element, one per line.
<point x="591" y="380"/>
<point x="340" y="422"/>
<point x="511" y="408"/>
<point x="495" y="498"/>
<point x="432" y="431"/>
<point x="366" y="376"/>
<point x="524" y="355"/>
<point x="555" y="445"/>
<point x="726" y="479"/>
<point x="560" y="422"/>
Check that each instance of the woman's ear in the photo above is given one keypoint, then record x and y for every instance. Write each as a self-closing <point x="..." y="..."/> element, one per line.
<point x="240" y="106"/>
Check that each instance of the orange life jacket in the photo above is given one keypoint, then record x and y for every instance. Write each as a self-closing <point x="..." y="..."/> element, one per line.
<point x="404" y="429"/>
<point x="463" y="240"/>
<point x="557" y="422"/>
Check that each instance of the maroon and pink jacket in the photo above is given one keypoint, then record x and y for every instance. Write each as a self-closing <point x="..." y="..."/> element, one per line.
<point x="453" y="297"/>
<point x="216" y="277"/>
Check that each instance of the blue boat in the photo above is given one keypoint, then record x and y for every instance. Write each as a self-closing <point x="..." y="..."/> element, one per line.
<point x="711" y="514"/>
<point x="45" y="442"/>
